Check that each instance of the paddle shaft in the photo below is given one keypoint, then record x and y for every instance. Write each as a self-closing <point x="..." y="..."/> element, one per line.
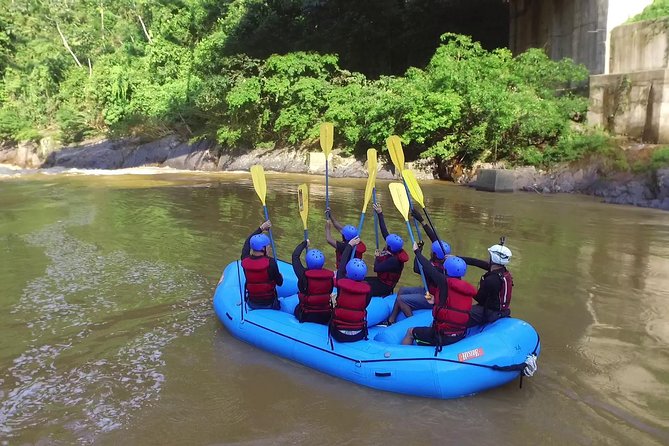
<point x="376" y="220"/>
<point x="327" y="186"/>
<point x="415" y="223"/>
<point x="271" y="237"/>
<point x="420" y="267"/>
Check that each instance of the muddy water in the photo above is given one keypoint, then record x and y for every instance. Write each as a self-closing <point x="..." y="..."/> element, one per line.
<point x="108" y="337"/>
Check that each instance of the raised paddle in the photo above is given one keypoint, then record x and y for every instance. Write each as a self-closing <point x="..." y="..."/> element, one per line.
<point x="260" y="185"/>
<point x="394" y="145"/>
<point x="401" y="201"/>
<point x="417" y="194"/>
<point x="303" y="206"/>
<point x="327" y="139"/>
<point x="376" y="220"/>
<point x="371" y="181"/>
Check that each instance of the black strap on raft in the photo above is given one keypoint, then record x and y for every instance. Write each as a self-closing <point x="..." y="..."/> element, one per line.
<point x="242" y="301"/>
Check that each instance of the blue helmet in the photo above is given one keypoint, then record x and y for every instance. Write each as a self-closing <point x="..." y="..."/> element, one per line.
<point x="259" y="241"/>
<point x="356" y="270"/>
<point x="455" y="267"/>
<point x="315" y="259"/>
<point x="441" y="251"/>
<point x="349" y="232"/>
<point x="394" y="243"/>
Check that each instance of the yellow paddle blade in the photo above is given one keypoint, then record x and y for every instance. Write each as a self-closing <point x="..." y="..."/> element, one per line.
<point x="259" y="184"/>
<point x="303" y="202"/>
<point x="400" y="199"/>
<point x="371" y="162"/>
<point x="413" y="186"/>
<point x="394" y="145"/>
<point x="371" y="178"/>
<point x="327" y="137"/>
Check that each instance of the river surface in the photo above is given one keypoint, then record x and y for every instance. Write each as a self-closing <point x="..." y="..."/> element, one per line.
<point x="107" y="335"/>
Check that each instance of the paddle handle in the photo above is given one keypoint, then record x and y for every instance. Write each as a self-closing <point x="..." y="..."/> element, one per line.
<point x="271" y="237"/>
<point x="420" y="267"/>
<point x="360" y="223"/>
<point x="376" y="220"/>
<point x="327" y="185"/>
<point x="306" y="234"/>
<point x="415" y="223"/>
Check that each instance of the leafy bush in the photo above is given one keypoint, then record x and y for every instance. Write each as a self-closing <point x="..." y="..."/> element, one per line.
<point x="660" y="158"/>
<point x="656" y="10"/>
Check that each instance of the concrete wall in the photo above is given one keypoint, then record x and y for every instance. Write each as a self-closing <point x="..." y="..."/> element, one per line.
<point x="632" y="104"/>
<point x="619" y="12"/>
<point x="640" y="46"/>
<point x="563" y="28"/>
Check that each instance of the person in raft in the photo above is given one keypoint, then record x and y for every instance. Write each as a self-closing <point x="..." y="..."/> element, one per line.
<point x="348" y="232"/>
<point x="349" y="313"/>
<point x="261" y="271"/>
<point x="314" y="285"/>
<point x="494" y="294"/>
<point x="453" y="302"/>
<point x="388" y="263"/>
<point x="414" y="298"/>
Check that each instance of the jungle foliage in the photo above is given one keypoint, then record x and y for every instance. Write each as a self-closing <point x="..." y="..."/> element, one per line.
<point x="226" y="69"/>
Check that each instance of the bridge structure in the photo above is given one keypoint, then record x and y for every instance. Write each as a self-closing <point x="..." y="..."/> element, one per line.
<point x="628" y="62"/>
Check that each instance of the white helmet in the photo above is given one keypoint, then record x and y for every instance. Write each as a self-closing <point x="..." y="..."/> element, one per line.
<point x="499" y="254"/>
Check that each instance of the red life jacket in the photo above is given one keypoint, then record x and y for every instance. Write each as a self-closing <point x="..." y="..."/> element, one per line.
<point x="260" y="288"/>
<point x="431" y="286"/>
<point x="452" y="318"/>
<point x="350" y="313"/>
<point x="319" y="287"/>
<point x="391" y="278"/>
<point x="360" y="249"/>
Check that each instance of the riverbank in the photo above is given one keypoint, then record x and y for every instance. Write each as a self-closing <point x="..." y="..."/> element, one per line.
<point x="647" y="188"/>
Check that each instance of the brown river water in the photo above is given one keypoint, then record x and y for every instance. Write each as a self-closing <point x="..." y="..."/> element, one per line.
<point x="107" y="334"/>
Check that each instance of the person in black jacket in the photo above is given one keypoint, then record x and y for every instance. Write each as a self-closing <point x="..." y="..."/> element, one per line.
<point x="495" y="287"/>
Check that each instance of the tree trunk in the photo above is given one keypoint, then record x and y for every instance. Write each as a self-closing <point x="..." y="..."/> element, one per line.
<point x="67" y="47"/>
<point x="146" y="33"/>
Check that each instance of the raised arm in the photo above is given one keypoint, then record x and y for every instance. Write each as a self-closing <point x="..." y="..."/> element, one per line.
<point x="382" y="221"/>
<point x="246" y="249"/>
<point x="297" y="263"/>
<point x="428" y="230"/>
<point x="328" y="234"/>
<point x="429" y="269"/>
<point x="341" y="272"/>
<point x="476" y="262"/>
<point x="336" y="224"/>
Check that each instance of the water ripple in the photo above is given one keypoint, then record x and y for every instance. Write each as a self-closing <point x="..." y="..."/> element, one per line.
<point x="70" y="307"/>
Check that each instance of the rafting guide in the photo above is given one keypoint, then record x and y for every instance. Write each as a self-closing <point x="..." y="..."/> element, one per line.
<point x="352" y="325"/>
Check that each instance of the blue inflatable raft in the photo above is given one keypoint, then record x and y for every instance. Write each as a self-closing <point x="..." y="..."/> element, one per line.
<point x="488" y="357"/>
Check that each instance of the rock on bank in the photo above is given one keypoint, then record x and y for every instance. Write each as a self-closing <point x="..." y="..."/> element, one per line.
<point x="649" y="189"/>
<point x="171" y="151"/>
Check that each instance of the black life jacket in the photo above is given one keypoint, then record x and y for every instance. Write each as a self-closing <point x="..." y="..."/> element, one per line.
<point x="452" y="318"/>
<point x="319" y="287"/>
<point x="503" y="301"/>
<point x="350" y="313"/>
<point x="260" y="288"/>
<point x="391" y="278"/>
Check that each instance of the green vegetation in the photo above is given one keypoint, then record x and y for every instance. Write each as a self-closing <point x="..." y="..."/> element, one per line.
<point x="660" y="158"/>
<point x="656" y="10"/>
<point x="151" y="67"/>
